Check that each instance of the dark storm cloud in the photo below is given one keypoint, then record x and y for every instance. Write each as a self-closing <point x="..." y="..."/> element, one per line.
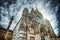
<point x="57" y="3"/>
<point x="58" y="17"/>
<point x="5" y="12"/>
<point x="8" y="1"/>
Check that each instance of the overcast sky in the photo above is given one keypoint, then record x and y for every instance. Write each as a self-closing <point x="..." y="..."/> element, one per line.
<point x="49" y="8"/>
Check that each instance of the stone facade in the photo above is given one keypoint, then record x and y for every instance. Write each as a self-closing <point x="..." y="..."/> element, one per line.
<point x="32" y="26"/>
<point x="9" y="35"/>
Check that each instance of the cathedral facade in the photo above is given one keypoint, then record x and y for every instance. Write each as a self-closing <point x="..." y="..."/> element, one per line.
<point x="33" y="26"/>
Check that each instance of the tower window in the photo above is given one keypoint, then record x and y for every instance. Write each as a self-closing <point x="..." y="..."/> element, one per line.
<point x="30" y="18"/>
<point x="42" y="38"/>
<point x="38" y="18"/>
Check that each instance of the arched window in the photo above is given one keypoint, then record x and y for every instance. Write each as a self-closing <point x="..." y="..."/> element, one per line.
<point x="38" y="18"/>
<point x="42" y="37"/>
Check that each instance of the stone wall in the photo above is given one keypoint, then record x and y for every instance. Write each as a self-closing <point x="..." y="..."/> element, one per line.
<point x="33" y="21"/>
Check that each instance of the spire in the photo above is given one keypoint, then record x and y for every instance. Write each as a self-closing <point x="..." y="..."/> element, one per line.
<point x="25" y="9"/>
<point x="25" y="12"/>
<point x="10" y="22"/>
<point x="32" y="10"/>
